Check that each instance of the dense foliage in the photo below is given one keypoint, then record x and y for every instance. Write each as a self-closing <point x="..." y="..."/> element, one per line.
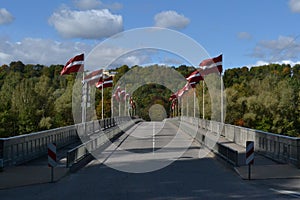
<point x="36" y="97"/>
<point x="264" y="98"/>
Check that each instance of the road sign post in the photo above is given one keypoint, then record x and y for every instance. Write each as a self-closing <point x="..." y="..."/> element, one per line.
<point x="249" y="156"/>
<point x="52" y="158"/>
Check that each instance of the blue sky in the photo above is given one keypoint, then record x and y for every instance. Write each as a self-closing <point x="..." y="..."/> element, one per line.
<point x="248" y="33"/>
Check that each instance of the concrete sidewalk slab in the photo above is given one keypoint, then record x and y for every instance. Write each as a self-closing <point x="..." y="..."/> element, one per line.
<point x="277" y="171"/>
<point x="29" y="175"/>
<point x="35" y="171"/>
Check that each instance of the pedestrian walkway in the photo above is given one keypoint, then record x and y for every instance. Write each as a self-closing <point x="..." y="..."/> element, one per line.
<point x="265" y="168"/>
<point x="36" y="171"/>
<point x="29" y="175"/>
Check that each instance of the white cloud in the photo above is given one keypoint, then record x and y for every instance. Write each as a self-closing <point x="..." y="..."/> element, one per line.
<point x="48" y="52"/>
<point x="113" y="56"/>
<point x="262" y="63"/>
<point x="283" y="48"/>
<point x="87" y="4"/>
<point x="89" y="24"/>
<point x="5" y="16"/>
<point x="171" y="19"/>
<point x="96" y="4"/>
<point x="244" y="35"/>
<point x="40" y="51"/>
<point x="295" y="6"/>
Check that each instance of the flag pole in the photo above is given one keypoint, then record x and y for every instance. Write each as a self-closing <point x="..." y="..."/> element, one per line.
<point x="174" y="111"/>
<point x="112" y="107"/>
<point x="102" y="95"/>
<point x="83" y="105"/>
<point x="187" y="105"/>
<point x="194" y="102"/>
<point x="125" y="102"/>
<point x="222" y="114"/>
<point x="176" y="106"/>
<point x="203" y="114"/>
<point x="83" y="99"/>
<point x="181" y="99"/>
<point x="119" y="107"/>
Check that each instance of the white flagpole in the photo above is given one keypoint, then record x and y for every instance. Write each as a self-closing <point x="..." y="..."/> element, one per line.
<point x="187" y="105"/>
<point x="181" y="99"/>
<point x="203" y="111"/>
<point x="112" y="106"/>
<point x="83" y="103"/>
<point x="194" y="102"/>
<point x="125" y="102"/>
<point x="102" y="100"/>
<point x="119" y="107"/>
<point x="83" y="99"/>
<point x="222" y="114"/>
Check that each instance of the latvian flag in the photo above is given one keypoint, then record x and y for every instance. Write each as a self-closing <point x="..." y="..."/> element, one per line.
<point x="212" y="65"/>
<point x="75" y="64"/>
<point x="122" y="94"/>
<point x="105" y="83"/>
<point x="126" y="96"/>
<point x="194" y="77"/>
<point x="173" y="104"/>
<point x="131" y="101"/>
<point x="183" y="90"/>
<point x="173" y="96"/>
<point x="116" y="95"/>
<point x="192" y="84"/>
<point x="93" y="77"/>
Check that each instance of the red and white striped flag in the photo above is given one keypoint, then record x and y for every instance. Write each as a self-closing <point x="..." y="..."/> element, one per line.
<point x="173" y="105"/>
<point x="194" y="77"/>
<point x="105" y="83"/>
<point x="173" y="96"/>
<point x="126" y="96"/>
<point x="182" y="91"/>
<point x="75" y="64"/>
<point x="122" y="95"/>
<point x="193" y="84"/>
<point x="131" y="101"/>
<point x="211" y="65"/>
<point x="94" y="77"/>
<point x="116" y="95"/>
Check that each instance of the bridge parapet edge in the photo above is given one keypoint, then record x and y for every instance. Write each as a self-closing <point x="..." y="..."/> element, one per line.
<point x="23" y="148"/>
<point x="281" y="148"/>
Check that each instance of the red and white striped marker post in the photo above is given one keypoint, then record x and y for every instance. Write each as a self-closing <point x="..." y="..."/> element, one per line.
<point x="249" y="156"/>
<point x="52" y="158"/>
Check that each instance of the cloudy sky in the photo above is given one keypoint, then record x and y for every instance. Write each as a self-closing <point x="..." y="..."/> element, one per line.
<point x="245" y="32"/>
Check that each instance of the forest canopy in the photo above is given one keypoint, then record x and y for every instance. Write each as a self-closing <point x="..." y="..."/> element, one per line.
<point x="36" y="97"/>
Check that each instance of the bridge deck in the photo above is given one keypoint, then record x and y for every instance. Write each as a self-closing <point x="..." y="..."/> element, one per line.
<point x="149" y="146"/>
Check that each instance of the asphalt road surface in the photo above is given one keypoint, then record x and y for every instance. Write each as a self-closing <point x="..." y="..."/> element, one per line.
<point x="154" y="160"/>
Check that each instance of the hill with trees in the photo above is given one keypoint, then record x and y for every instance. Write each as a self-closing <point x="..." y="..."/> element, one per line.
<point x="36" y="97"/>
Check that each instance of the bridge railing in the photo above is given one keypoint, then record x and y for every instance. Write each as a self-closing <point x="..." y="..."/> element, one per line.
<point x="278" y="147"/>
<point x="99" y="139"/>
<point x="20" y="149"/>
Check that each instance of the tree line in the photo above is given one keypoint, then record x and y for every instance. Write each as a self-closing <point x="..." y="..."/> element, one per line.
<point x="36" y="97"/>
